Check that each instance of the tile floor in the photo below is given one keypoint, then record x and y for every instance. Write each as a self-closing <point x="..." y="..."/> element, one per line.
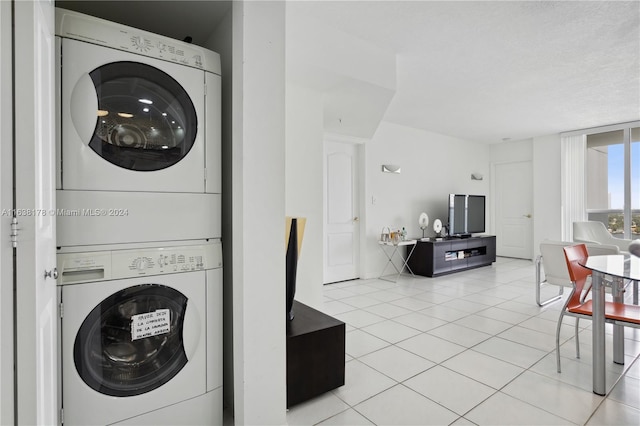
<point x="464" y="349"/>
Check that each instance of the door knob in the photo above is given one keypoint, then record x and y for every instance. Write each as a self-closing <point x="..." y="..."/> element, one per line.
<point x="355" y="219"/>
<point x="528" y="216"/>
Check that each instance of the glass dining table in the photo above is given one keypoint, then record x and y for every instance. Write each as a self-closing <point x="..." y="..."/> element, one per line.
<point x="619" y="267"/>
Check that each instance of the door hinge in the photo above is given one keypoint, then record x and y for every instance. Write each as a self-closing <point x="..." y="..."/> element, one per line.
<point x="14" y="232"/>
<point x="61" y="310"/>
<point x="61" y="415"/>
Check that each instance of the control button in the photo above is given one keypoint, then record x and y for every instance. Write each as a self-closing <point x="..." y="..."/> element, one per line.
<point x="141" y="263"/>
<point x="139" y="43"/>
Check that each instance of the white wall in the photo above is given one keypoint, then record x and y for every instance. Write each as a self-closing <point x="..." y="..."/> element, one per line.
<point x="258" y="164"/>
<point x="433" y="166"/>
<point x="304" y="185"/>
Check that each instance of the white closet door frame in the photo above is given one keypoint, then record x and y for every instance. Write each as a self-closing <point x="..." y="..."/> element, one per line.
<point x="36" y="296"/>
<point x="6" y="203"/>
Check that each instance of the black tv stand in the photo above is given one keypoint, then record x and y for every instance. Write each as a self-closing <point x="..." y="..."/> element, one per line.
<point x="433" y="258"/>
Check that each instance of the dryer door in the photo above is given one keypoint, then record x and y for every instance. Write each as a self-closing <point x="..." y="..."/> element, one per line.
<point x="130" y="122"/>
<point x="145" y="121"/>
<point x="131" y="343"/>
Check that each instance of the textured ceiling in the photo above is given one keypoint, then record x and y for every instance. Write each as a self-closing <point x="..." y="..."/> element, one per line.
<point x="488" y="71"/>
<point x="477" y="70"/>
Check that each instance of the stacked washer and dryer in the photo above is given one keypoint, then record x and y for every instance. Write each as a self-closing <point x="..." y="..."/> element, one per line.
<point x="138" y="226"/>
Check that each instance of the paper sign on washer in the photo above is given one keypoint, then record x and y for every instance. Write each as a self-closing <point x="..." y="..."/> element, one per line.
<point x="150" y="324"/>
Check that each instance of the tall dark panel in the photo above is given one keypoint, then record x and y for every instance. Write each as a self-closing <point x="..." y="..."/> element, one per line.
<point x="291" y="266"/>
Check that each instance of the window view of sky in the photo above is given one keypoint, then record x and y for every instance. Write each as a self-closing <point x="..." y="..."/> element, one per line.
<point x="616" y="175"/>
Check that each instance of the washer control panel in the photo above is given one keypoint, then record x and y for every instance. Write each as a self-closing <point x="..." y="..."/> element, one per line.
<point x="116" y="264"/>
<point x="166" y="261"/>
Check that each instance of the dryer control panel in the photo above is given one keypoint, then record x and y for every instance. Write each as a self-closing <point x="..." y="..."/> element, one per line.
<point x="116" y="264"/>
<point x="78" y="26"/>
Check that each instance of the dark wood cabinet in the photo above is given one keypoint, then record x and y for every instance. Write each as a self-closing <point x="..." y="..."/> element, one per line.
<point x="315" y="354"/>
<point x="433" y="258"/>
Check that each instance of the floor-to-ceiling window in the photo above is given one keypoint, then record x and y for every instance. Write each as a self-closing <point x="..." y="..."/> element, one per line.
<point x="613" y="180"/>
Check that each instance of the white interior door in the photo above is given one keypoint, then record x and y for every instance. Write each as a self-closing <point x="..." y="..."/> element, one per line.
<point x="342" y="224"/>
<point x="6" y="202"/>
<point x="36" y="307"/>
<point x="513" y="189"/>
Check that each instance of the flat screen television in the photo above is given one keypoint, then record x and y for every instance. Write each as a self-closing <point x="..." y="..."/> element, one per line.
<point x="466" y="214"/>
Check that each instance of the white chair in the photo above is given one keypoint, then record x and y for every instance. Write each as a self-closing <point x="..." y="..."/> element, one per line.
<point x="593" y="232"/>
<point x="596" y="233"/>
<point x="551" y="266"/>
<point x="555" y="269"/>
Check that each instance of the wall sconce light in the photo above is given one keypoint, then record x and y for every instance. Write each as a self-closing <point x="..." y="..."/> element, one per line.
<point x="476" y="176"/>
<point x="390" y="168"/>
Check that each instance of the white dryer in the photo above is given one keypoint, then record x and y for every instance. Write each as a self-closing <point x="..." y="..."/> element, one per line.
<point x="141" y="335"/>
<point x="139" y="111"/>
<point x="138" y="149"/>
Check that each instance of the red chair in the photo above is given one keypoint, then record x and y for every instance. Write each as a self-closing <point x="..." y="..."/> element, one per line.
<point x="576" y="305"/>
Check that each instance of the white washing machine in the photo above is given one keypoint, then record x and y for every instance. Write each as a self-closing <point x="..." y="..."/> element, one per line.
<point x="141" y="335"/>
<point x="139" y="113"/>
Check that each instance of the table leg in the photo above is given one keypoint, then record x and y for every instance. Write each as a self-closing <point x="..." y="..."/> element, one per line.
<point x="399" y="271"/>
<point x="617" y="291"/>
<point x="389" y="261"/>
<point x="406" y="261"/>
<point x="599" y="383"/>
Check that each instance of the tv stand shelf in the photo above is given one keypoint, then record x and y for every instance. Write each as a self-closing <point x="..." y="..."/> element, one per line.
<point x="433" y="258"/>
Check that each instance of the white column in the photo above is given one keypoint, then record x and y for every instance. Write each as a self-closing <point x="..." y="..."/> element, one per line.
<point x="258" y="215"/>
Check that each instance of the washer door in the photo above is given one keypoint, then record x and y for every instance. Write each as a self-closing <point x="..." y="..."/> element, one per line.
<point x="132" y="342"/>
<point x="146" y="120"/>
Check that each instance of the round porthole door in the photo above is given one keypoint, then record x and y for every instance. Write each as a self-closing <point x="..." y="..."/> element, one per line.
<point x="146" y="121"/>
<point x="132" y="342"/>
